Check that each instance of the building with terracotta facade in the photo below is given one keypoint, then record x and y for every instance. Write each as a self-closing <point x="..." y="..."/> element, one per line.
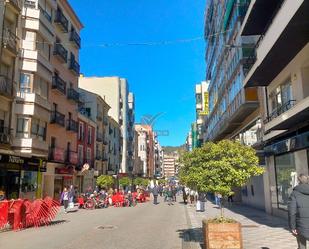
<point x="86" y="142"/>
<point x="63" y="97"/>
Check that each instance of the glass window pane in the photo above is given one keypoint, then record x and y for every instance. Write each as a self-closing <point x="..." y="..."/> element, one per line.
<point x="286" y="178"/>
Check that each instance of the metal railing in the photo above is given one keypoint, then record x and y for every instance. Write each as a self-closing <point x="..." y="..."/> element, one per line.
<point x="4" y="135"/>
<point x="62" y="20"/>
<point x="72" y="125"/>
<point x="57" y="118"/>
<point x="73" y="94"/>
<point x="6" y="86"/>
<point x="10" y="39"/>
<point x="61" y="52"/>
<point x="59" y="84"/>
<point x="280" y="110"/>
<point x="99" y="137"/>
<point x="75" y="38"/>
<point x="74" y="66"/>
<point x="29" y="4"/>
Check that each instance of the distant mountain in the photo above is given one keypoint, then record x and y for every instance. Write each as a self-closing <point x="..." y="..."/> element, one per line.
<point x="172" y="149"/>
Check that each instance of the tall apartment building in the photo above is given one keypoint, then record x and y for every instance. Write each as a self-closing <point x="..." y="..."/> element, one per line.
<point x="158" y="158"/>
<point x="97" y="109"/>
<point x="189" y="141"/>
<point x="10" y="34"/>
<point x="279" y="65"/>
<point x="114" y="151"/>
<point x="59" y="44"/>
<point x="138" y="163"/>
<point x="130" y="140"/>
<point x="169" y="165"/>
<point x="201" y="109"/>
<point x="226" y="56"/>
<point x="115" y="91"/>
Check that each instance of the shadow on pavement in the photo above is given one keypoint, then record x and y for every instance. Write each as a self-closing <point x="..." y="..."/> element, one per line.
<point x="257" y="215"/>
<point x="191" y="235"/>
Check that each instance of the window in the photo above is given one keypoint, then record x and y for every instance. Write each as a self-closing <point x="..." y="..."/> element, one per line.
<point x="41" y="87"/>
<point x="286" y="178"/>
<point x="80" y="153"/>
<point x="22" y="127"/>
<point x="89" y="135"/>
<point x="38" y="128"/>
<point x="81" y="131"/>
<point x="25" y="83"/>
<point x="88" y="155"/>
<point x="281" y="96"/>
<point x="43" y="47"/>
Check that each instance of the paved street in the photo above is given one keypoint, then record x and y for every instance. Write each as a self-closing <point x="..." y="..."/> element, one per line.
<point x="260" y="231"/>
<point x="145" y="226"/>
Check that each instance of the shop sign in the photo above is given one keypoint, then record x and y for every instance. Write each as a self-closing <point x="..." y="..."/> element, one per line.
<point x="64" y="171"/>
<point x="16" y="162"/>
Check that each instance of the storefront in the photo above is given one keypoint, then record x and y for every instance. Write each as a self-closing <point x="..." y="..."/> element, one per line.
<point x="20" y="177"/>
<point x="285" y="161"/>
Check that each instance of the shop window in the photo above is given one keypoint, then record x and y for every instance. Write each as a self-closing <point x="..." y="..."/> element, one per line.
<point x="286" y="178"/>
<point x="29" y="184"/>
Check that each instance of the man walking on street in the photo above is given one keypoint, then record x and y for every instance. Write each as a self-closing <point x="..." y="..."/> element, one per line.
<point x="298" y="209"/>
<point x="155" y="192"/>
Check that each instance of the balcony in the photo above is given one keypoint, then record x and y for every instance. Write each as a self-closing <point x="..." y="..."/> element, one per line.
<point x="6" y="86"/>
<point x="5" y="136"/>
<point x="60" y="52"/>
<point x="99" y="115"/>
<point x="56" y="155"/>
<point x="73" y="95"/>
<point x="98" y="156"/>
<point x="16" y="4"/>
<point x="243" y="104"/>
<point x="71" y="157"/>
<point x="62" y="21"/>
<point x="72" y="125"/>
<point x="57" y="118"/>
<point x="59" y="84"/>
<point x="99" y="137"/>
<point x="74" y="66"/>
<point x="105" y="142"/>
<point x="29" y="4"/>
<point x="105" y="121"/>
<point x="9" y="41"/>
<point x="75" y="38"/>
<point x="288" y="24"/>
<point x="130" y="153"/>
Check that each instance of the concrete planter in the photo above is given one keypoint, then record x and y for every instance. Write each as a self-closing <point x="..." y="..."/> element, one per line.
<point x="222" y="235"/>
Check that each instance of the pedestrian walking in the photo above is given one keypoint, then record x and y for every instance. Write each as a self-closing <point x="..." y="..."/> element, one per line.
<point x="155" y="192"/>
<point x="64" y="198"/>
<point x="192" y="196"/>
<point x="298" y="210"/>
<point x="184" y="195"/>
<point x="200" y="203"/>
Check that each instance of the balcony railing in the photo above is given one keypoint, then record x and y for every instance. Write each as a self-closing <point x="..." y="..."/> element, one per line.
<point x="74" y="66"/>
<point x="99" y="137"/>
<point x="57" y="118"/>
<point x="75" y="38"/>
<point x="72" y="157"/>
<point x="105" y="142"/>
<point x="99" y="116"/>
<point x="98" y="156"/>
<point x="73" y="95"/>
<point x="10" y="40"/>
<point x="105" y="121"/>
<point x="29" y="4"/>
<point x="4" y="135"/>
<point x="61" y="52"/>
<point x="59" y="84"/>
<point x="47" y="15"/>
<point x="56" y="154"/>
<point x="280" y="110"/>
<point x="16" y="4"/>
<point x="72" y="125"/>
<point x="62" y="21"/>
<point x="6" y="86"/>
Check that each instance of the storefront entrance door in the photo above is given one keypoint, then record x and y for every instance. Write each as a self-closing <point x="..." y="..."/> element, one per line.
<point x="9" y="183"/>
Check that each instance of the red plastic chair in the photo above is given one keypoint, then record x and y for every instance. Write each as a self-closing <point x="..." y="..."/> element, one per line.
<point x="4" y="213"/>
<point x="15" y="214"/>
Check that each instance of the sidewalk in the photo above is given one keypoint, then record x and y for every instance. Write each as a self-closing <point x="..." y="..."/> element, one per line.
<point x="260" y="230"/>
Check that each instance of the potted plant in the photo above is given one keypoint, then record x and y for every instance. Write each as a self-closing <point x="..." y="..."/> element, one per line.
<point x="217" y="168"/>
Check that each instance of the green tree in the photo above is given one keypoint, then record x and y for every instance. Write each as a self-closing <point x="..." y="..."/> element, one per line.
<point x="141" y="181"/>
<point x="105" y="181"/>
<point x="162" y="181"/>
<point x="124" y="181"/>
<point x="218" y="167"/>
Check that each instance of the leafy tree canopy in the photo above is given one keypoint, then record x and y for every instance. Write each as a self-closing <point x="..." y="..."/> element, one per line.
<point x="105" y="181"/>
<point x="218" y="167"/>
<point x="141" y="181"/>
<point x="124" y="181"/>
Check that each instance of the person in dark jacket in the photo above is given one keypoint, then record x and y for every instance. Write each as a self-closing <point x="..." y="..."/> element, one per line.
<point x="298" y="210"/>
<point x="155" y="192"/>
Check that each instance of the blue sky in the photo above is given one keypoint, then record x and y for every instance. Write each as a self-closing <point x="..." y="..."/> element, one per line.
<point x="161" y="76"/>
